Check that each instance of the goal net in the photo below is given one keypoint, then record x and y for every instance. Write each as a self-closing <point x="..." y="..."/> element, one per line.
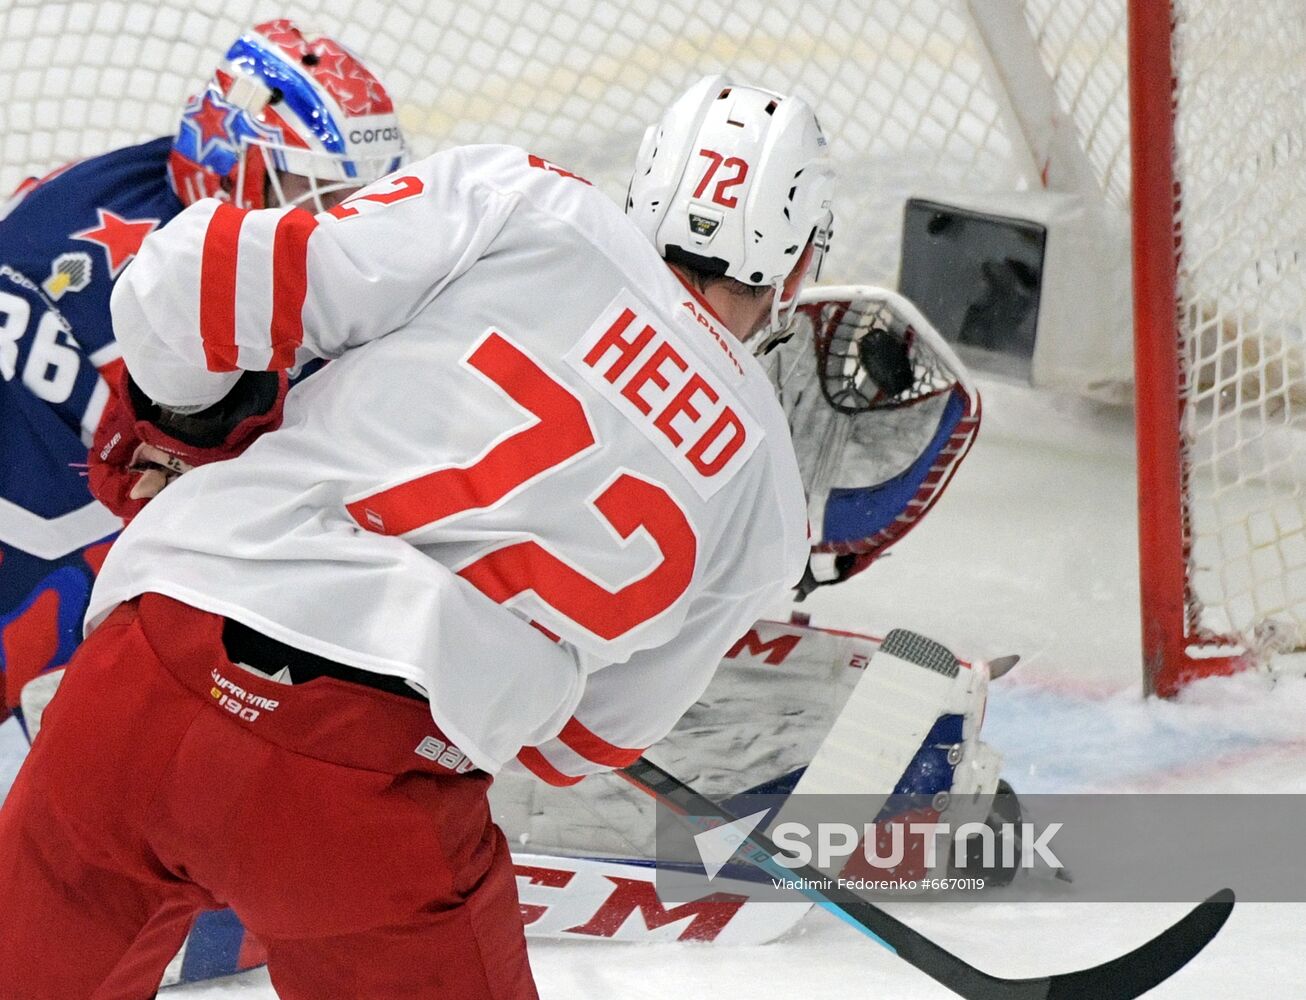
<point x="904" y="90"/>
<point x="969" y="98"/>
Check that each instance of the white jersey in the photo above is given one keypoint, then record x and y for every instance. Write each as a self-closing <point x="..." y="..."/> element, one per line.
<point x="539" y="479"/>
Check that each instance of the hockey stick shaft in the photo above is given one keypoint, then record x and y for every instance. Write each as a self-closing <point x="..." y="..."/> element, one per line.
<point x="1120" y="979"/>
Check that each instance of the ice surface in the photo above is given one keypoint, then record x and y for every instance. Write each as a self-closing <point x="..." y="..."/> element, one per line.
<point x="1031" y="551"/>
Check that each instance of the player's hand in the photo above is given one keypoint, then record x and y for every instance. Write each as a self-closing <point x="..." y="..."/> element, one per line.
<point x="157" y="469"/>
<point x="139" y="448"/>
<point x="113" y="469"/>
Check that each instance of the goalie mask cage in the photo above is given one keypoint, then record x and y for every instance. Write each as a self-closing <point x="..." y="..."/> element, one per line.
<point x="933" y="97"/>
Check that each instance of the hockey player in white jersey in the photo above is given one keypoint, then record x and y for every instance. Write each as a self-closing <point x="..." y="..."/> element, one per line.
<point x="540" y="490"/>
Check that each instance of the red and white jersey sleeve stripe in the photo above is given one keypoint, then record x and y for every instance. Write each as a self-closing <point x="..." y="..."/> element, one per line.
<point x="265" y="303"/>
<point x="222" y="289"/>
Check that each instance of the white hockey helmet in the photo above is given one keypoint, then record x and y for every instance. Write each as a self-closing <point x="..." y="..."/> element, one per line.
<point x="734" y="180"/>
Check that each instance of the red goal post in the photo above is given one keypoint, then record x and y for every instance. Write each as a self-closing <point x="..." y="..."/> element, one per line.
<point x="1161" y="511"/>
<point x="1219" y="310"/>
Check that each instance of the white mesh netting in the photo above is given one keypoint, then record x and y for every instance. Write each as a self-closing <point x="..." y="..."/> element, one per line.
<point x="901" y="87"/>
<point x="1240" y="129"/>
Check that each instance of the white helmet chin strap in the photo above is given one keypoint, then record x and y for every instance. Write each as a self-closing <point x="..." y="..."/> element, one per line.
<point x="782" y="310"/>
<point x="777" y="331"/>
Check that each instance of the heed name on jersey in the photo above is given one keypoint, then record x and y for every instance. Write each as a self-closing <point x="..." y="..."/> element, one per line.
<point x="667" y="391"/>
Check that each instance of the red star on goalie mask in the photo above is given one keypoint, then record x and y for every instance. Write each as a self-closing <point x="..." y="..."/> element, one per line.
<point x="348" y="81"/>
<point x="121" y="238"/>
<point x="210" y="118"/>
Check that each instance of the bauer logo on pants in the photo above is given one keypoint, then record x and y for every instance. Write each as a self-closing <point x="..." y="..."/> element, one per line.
<point x="445" y="754"/>
<point x="235" y="699"/>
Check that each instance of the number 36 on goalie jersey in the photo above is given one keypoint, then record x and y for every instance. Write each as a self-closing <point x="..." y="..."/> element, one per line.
<point x="642" y="374"/>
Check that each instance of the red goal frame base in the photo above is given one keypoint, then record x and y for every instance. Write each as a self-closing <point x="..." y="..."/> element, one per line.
<point x="1165" y="674"/>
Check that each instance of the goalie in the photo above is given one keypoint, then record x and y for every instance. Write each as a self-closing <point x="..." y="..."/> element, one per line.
<point x="287" y="119"/>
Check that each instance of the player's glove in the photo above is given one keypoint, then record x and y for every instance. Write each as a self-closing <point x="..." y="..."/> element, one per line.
<point x="139" y="446"/>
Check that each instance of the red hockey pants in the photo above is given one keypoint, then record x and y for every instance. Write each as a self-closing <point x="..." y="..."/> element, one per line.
<point x="367" y="870"/>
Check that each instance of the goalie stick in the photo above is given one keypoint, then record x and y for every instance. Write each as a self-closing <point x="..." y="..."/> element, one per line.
<point x="1122" y="978"/>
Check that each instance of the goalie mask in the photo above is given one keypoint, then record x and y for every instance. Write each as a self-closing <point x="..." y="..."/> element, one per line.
<point x="286" y="120"/>
<point x="734" y="181"/>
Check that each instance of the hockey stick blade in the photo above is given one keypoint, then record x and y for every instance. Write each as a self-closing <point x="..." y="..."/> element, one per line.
<point x="1149" y="964"/>
<point x="1122" y="978"/>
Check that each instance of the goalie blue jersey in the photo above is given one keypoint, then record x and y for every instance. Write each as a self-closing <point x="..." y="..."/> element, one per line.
<point x="64" y="241"/>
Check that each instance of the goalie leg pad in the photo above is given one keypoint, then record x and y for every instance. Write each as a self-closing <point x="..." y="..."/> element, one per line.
<point x="906" y="748"/>
<point x="901" y="710"/>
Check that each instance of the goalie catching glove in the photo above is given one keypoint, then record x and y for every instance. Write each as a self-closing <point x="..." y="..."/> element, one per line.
<point x="882" y="413"/>
<point x="139" y="446"/>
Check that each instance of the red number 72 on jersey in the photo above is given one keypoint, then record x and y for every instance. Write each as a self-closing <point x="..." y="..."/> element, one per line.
<point x="560" y="431"/>
<point x="407" y="186"/>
